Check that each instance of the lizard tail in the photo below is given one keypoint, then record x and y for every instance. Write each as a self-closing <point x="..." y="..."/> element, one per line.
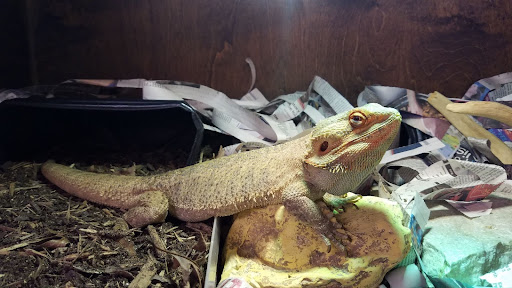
<point x="118" y="191"/>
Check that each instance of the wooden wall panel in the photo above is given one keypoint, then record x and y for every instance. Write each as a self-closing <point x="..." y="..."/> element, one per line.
<point x="14" y="47"/>
<point x="423" y="45"/>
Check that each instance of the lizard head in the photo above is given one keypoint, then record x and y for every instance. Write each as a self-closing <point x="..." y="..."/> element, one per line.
<point x="345" y="148"/>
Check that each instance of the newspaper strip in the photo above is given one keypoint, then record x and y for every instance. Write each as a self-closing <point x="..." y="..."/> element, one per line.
<point x="337" y="102"/>
<point x="315" y="115"/>
<point x="290" y="108"/>
<point x="418" y="114"/>
<point x="501" y="93"/>
<point x="12" y="94"/>
<point x="250" y="119"/>
<point x="236" y="283"/>
<point x="160" y="90"/>
<point x="235" y="118"/>
<point x="453" y="180"/>
<point x="472" y="209"/>
<point x="253" y="100"/>
<point x="418" y="222"/>
<point x="497" y="88"/>
<point x="412" y="150"/>
<point x="252" y="67"/>
<point x="507" y="98"/>
<point x="480" y="89"/>
<point x="234" y="127"/>
<point x="501" y="278"/>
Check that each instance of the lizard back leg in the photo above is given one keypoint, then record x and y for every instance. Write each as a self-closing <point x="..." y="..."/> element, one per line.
<point x="150" y="207"/>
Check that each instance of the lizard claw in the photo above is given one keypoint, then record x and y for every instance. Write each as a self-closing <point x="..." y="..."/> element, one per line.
<point x="327" y="242"/>
<point x="340" y="202"/>
<point x="338" y="245"/>
<point x="337" y="234"/>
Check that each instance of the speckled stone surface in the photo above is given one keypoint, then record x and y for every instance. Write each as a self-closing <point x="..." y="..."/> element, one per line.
<point x="463" y="248"/>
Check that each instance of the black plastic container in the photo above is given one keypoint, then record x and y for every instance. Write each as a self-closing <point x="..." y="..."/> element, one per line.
<point x="37" y="129"/>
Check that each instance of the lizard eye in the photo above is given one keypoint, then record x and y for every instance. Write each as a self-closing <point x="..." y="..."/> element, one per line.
<point x="324" y="146"/>
<point x="357" y="119"/>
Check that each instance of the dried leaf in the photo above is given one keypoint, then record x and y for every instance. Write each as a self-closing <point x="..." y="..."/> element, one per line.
<point x="92" y="231"/>
<point x="201" y="244"/>
<point x="110" y="253"/>
<point x="75" y="256"/>
<point x="114" y="234"/>
<point x="12" y="186"/>
<point x="128" y="246"/>
<point x="34" y="253"/>
<point x="143" y="279"/>
<point x="221" y="152"/>
<point x="162" y="279"/>
<point x="121" y="225"/>
<point x="130" y="171"/>
<point x="56" y="243"/>
<point x="40" y="268"/>
<point x="6" y="228"/>
<point x="200" y="227"/>
<point x="6" y="250"/>
<point x="157" y="241"/>
<point x="69" y="285"/>
<point x="186" y="267"/>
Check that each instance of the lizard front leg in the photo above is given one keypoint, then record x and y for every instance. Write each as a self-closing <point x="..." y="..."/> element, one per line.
<point x="296" y="199"/>
<point x="339" y="202"/>
<point x="331" y="205"/>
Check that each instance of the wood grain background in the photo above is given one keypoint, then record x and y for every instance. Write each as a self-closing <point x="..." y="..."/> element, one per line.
<point x="422" y="45"/>
<point x="14" y="53"/>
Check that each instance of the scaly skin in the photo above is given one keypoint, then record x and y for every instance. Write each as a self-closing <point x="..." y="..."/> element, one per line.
<point x="334" y="158"/>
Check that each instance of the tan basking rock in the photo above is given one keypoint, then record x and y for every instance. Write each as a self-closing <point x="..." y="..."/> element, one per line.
<point x="269" y="247"/>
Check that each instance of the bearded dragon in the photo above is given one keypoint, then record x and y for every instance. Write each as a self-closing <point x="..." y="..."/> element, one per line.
<point x="339" y="153"/>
